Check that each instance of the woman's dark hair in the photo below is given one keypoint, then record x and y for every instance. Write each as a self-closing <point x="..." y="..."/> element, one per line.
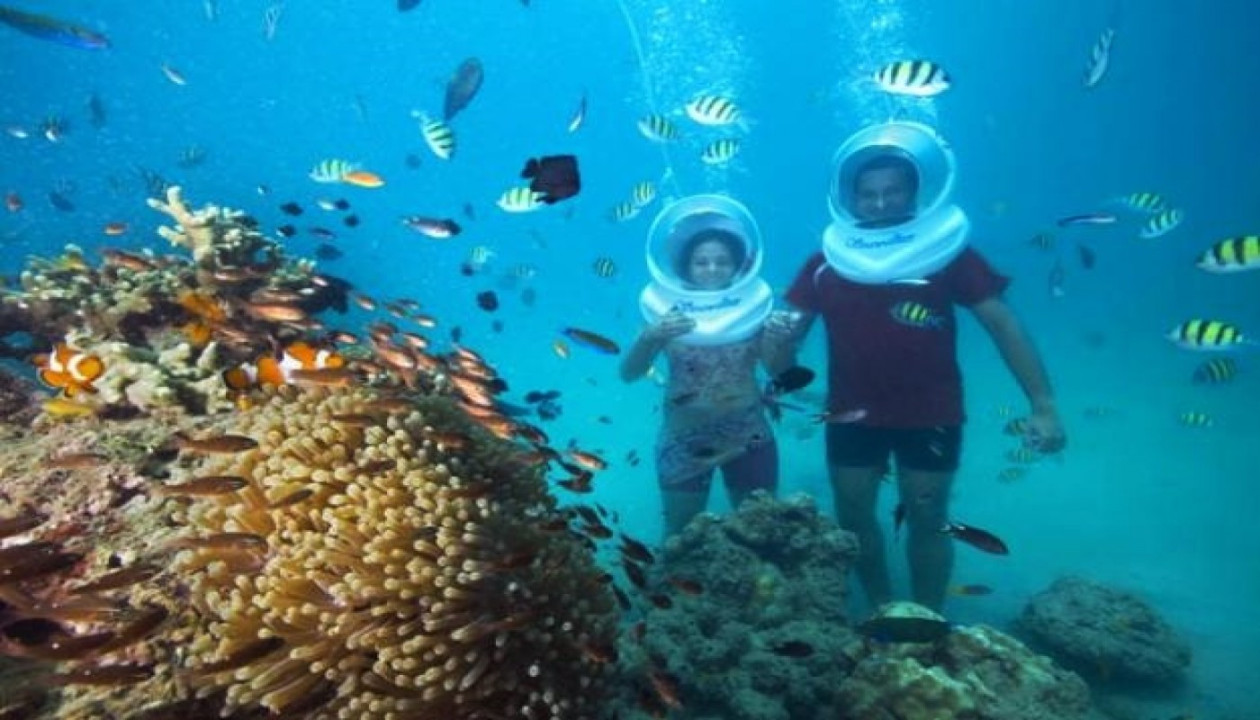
<point x="732" y="242"/>
<point x="889" y="162"/>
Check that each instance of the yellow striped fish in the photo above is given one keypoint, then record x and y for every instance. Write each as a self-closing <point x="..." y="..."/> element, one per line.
<point x="643" y="193"/>
<point x="909" y="312"/>
<point x="658" y="128"/>
<point x="1099" y="58"/>
<point x="714" y="110"/>
<point x="1147" y="202"/>
<point x="720" y="151"/>
<point x="1200" y="334"/>
<point x="1234" y="254"/>
<point x="1195" y="419"/>
<point x="519" y="200"/>
<point x="1161" y="224"/>
<point x="1216" y="371"/>
<point x="604" y="267"/>
<point x="920" y="78"/>
<point x="437" y="135"/>
<point x="332" y="170"/>
<point x="623" y="211"/>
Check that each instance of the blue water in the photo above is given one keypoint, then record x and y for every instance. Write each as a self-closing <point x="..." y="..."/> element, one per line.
<point x="1137" y="500"/>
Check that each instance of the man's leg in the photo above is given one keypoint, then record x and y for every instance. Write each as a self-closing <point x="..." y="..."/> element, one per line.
<point x="856" y="491"/>
<point x="929" y="552"/>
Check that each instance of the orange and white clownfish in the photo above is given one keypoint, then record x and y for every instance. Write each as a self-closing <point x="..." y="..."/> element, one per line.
<point x="275" y="371"/>
<point x="69" y="370"/>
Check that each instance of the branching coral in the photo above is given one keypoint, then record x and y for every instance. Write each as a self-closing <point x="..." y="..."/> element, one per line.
<point x="217" y="237"/>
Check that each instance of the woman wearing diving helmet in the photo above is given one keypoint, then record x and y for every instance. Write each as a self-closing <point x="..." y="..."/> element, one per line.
<point x="706" y="308"/>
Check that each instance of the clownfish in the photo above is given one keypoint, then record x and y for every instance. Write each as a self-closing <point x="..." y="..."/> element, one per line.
<point x="69" y="370"/>
<point x="276" y="371"/>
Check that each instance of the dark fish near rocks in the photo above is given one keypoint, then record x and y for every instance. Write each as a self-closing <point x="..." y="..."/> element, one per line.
<point x="905" y="629"/>
<point x="462" y="87"/>
<point x="977" y="538"/>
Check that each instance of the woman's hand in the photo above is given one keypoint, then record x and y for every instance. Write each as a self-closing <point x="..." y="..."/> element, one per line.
<point x="669" y="327"/>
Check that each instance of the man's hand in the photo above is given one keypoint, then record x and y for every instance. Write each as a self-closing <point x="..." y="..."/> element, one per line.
<point x="1044" y="431"/>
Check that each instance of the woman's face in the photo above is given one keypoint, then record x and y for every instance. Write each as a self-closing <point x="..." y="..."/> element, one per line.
<point x="711" y="266"/>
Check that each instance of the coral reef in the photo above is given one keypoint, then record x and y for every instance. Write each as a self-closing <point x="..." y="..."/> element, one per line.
<point x="768" y="638"/>
<point x="761" y="640"/>
<point x="165" y="326"/>
<point x="1103" y="633"/>
<point x="362" y="557"/>
<point x="388" y="577"/>
<point x="17" y="399"/>
<point x="972" y="673"/>
<point x="217" y="237"/>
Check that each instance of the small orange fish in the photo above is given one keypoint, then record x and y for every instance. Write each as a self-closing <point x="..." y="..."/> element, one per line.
<point x="219" y="444"/>
<point x="123" y="259"/>
<point x="275" y="312"/>
<point x="207" y="486"/>
<point x="114" y="229"/>
<point x="60" y="407"/>
<point x="363" y="179"/>
<point x="588" y="460"/>
<point x="974" y="589"/>
<point x="75" y="461"/>
<point x="69" y="370"/>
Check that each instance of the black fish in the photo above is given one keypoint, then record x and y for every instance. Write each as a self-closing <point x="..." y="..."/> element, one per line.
<point x="291" y="208"/>
<point x="791" y="380"/>
<point x="793" y="649"/>
<point x="462" y="87"/>
<point x="536" y="396"/>
<point x="286" y="231"/>
<point x="405" y="5"/>
<point x="905" y="629"/>
<point x="328" y="252"/>
<point x="59" y="201"/>
<point x="96" y="111"/>
<point x="350" y="221"/>
<point x="555" y="176"/>
<point x="1086" y="255"/>
<point x="488" y="301"/>
<point x="511" y="409"/>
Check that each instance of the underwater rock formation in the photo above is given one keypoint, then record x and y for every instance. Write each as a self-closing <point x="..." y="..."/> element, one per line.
<point x="767" y="637"/>
<point x="17" y="399"/>
<point x="1104" y="634"/>
<point x="761" y="640"/>
<point x="972" y="673"/>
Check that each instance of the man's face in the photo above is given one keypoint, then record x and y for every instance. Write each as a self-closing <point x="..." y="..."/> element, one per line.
<point x="881" y="195"/>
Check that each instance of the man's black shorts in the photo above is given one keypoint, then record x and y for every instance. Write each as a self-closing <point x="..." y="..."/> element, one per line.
<point x="932" y="449"/>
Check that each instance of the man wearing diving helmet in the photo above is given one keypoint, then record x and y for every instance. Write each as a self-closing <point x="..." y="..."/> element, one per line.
<point x="894" y="264"/>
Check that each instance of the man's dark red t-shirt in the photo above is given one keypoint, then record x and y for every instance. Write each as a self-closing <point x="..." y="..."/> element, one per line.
<point x="903" y="374"/>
